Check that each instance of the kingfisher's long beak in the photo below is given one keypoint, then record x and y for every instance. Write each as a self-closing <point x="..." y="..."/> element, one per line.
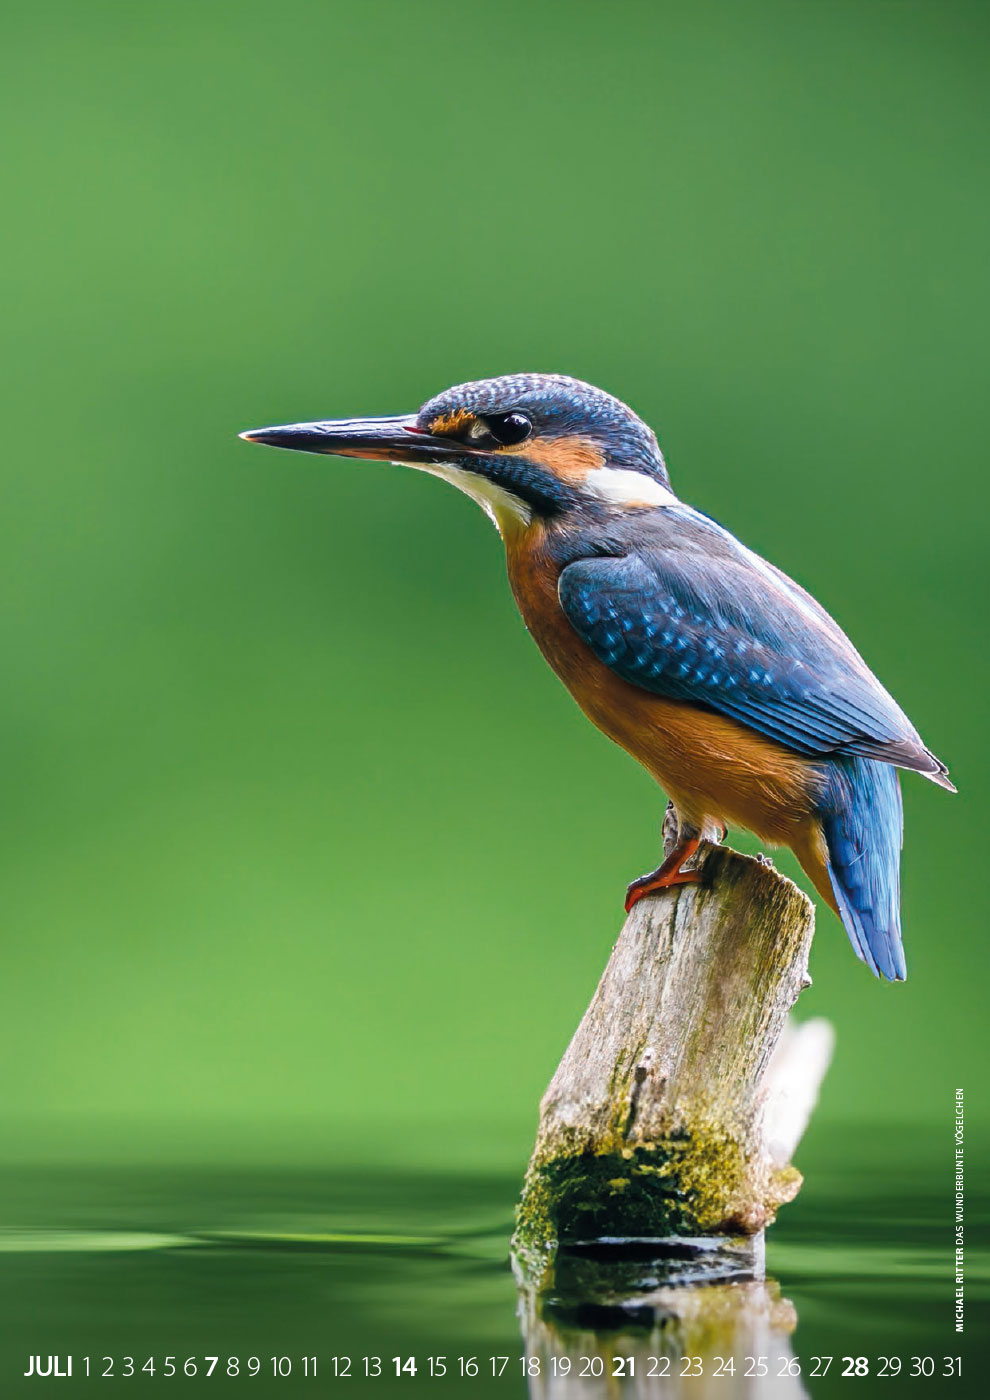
<point x="390" y="439"/>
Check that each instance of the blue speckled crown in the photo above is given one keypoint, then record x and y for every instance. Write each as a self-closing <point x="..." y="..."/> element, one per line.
<point x="559" y="407"/>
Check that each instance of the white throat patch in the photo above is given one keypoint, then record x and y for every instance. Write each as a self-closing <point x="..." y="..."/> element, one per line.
<point x="501" y="507"/>
<point x="617" y="486"/>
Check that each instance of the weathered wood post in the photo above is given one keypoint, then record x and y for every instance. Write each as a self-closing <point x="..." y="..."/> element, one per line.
<point x="674" y="1112"/>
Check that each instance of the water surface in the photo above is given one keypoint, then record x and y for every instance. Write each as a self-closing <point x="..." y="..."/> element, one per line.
<point x="282" y="1265"/>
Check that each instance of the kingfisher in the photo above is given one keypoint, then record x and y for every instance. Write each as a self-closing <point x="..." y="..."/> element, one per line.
<point x="725" y="679"/>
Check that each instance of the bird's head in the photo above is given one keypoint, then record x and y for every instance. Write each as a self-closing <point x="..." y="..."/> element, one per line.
<point x="528" y="447"/>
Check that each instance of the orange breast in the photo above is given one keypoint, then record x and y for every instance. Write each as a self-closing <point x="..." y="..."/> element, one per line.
<point x="717" y="771"/>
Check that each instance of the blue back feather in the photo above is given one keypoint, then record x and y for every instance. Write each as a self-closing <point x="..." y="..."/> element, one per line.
<point x="686" y="611"/>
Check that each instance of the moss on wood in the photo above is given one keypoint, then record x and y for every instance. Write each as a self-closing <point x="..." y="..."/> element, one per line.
<point x="653" y="1124"/>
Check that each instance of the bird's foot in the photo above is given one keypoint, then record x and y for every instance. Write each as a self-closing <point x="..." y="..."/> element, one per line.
<point x="666" y="875"/>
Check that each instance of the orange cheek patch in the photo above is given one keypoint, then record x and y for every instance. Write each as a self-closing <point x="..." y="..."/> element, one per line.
<point x="452" y="424"/>
<point x="570" y="458"/>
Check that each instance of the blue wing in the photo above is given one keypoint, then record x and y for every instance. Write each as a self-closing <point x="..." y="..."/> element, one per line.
<point x="697" y="617"/>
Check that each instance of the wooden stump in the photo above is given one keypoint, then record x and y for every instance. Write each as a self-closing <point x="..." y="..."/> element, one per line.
<point x="679" y="1101"/>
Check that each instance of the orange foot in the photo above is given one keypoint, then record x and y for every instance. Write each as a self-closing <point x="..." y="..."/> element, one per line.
<point x="666" y="875"/>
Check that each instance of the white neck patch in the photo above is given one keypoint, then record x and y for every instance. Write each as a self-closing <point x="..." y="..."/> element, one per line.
<point x="617" y="486"/>
<point x="621" y="487"/>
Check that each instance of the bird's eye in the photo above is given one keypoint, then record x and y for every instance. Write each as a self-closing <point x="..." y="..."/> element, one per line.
<point x="509" y="428"/>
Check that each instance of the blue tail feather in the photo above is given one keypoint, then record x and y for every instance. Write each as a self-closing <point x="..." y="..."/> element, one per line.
<point x="863" y="825"/>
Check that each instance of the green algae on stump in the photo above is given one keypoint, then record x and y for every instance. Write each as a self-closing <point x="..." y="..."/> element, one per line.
<point x="679" y="1101"/>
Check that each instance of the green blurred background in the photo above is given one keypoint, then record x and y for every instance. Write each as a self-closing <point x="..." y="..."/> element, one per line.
<point x="300" y="835"/>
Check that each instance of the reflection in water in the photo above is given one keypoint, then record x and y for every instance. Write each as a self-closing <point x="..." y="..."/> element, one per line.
<point x="625" y="1320"/>
<point x="365" y="1263"/>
